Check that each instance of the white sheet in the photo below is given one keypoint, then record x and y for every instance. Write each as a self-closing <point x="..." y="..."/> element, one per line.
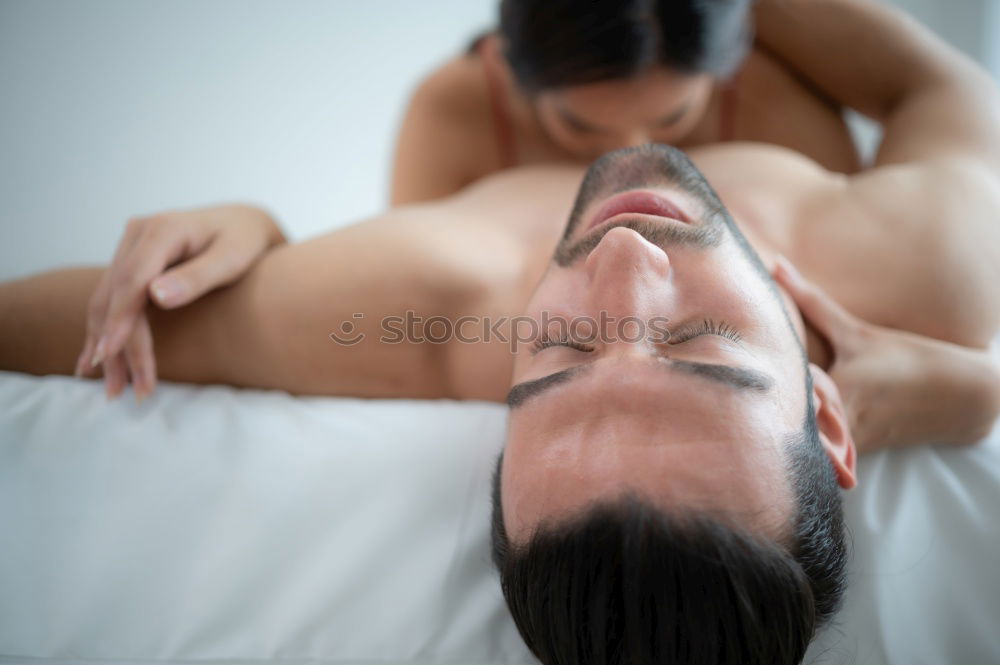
<point x="245" y="526"/>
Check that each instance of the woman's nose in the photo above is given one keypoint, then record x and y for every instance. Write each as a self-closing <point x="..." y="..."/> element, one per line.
<point x="625" y="139"/>
<point x="634" y="138"/>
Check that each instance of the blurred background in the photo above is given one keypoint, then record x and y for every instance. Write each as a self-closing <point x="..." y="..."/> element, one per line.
<point x="116" y="108"/>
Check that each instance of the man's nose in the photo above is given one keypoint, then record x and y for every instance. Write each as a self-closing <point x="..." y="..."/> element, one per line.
<point x="628" y="276"/>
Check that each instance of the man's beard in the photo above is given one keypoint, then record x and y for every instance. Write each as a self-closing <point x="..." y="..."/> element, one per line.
<point x="646" y="166"/>
<point x="650" y="165"/>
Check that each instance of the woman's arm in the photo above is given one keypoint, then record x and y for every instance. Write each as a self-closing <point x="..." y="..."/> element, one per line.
<point x="880" y="61"/>
<point x="270" y="329"/>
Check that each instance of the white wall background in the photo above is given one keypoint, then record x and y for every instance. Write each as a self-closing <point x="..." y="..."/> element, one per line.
<point x="113" y="108"/>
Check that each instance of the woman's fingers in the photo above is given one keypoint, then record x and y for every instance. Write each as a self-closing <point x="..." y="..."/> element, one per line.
<point x="83" y="366"/>
<point x="98" y="305"/>
<point x="171" y="259"/>
<point x="96" y="309"/>
<point x="141" y="361"/>
<point x="219" y="264"/>
<point x="829" y="318"/>
<point x="159" y="245"/>
<point x="115" y="375"/>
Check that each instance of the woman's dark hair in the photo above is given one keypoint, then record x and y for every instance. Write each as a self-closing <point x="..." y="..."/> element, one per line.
<point x="627" y="583"/>
<point x="557" y="43"/>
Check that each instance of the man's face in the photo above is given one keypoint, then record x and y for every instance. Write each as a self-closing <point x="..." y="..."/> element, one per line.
<point x="688" y="402"/>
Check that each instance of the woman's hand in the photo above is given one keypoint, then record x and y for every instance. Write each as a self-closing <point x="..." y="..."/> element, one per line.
<point x="899" y="389"/>
<point x="171" y="259"/>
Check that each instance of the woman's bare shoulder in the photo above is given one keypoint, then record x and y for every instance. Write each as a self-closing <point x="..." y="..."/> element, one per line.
<point x="457" y="90"/>
<point x="447" y="138"/>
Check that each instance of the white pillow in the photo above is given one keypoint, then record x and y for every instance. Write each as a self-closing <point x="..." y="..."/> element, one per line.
<point x="212" y="523"/>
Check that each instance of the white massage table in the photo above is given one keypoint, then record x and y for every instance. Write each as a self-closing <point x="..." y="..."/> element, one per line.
<point x="212" y="524"/>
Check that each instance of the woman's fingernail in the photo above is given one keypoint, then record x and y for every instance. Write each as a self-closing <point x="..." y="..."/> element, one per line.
<point x="167" y="290"/>
<point x="116" y="337"/>
<point x="99" y="351"/>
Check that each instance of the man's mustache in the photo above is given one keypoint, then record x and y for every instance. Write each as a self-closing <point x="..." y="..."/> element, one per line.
<point x="664" y="234"/>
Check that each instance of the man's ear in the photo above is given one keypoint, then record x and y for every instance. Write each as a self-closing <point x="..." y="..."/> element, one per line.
<point x="834" y="428"/>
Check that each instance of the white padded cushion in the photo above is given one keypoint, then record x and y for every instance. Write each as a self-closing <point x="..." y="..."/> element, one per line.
<point x="214" y="523"/>
<point x="228" y="525"/>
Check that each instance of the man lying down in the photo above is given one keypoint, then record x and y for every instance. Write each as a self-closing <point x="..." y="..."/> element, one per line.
<point x="669" y="486"/>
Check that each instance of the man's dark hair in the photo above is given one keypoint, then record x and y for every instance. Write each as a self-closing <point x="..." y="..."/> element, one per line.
<point x="557" y="43"/>
<point x="628" y="583"/>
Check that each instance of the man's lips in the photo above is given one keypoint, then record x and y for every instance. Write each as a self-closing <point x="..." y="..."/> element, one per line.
<point x="637" y="202"/>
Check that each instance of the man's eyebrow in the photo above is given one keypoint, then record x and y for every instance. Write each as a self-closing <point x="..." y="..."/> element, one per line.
<point x="525" y="390"/>
<point x="739" y="378"/>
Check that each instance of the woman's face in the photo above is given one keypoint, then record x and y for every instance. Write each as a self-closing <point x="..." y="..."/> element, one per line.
<point x="659" y="105"/>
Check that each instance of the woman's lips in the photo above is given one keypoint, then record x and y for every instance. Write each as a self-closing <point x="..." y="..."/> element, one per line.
<point x="640" y="202"/>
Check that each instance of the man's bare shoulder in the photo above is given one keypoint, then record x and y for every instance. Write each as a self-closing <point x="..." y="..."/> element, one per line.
<point x="767" y="188"/>
<point x="914" y="246"/>
<point x="511" y="221"/>
<point x="905" y="245"/>
<point x="747" y="158"/>
<point x="528" y="185"/>
<point x="492" y="235"/>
